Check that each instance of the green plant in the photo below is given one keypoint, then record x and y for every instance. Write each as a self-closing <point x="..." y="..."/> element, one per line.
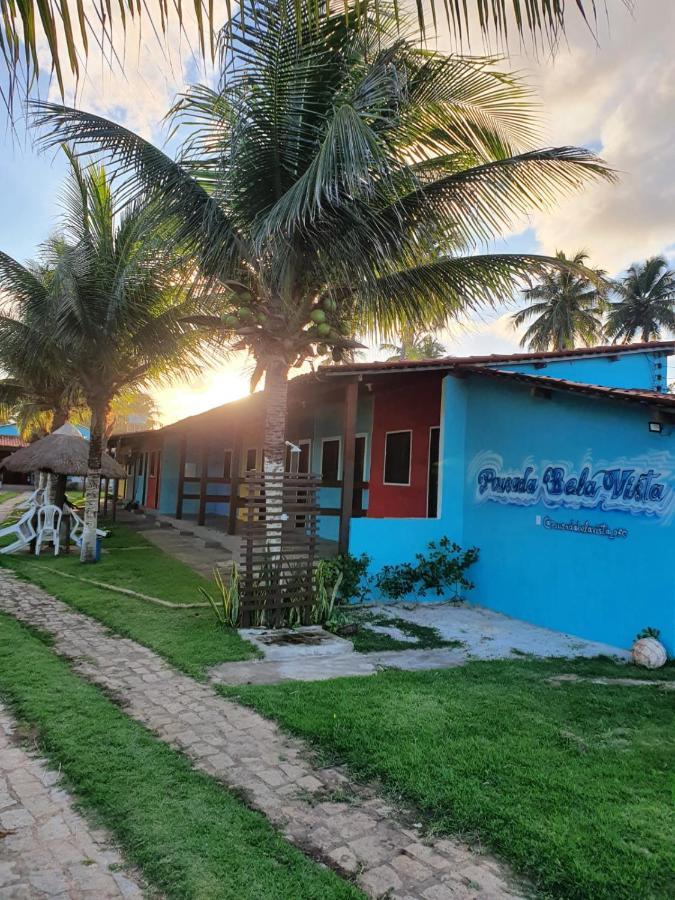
<point x="353" y="573"/>
<point x="442" y="567"/>
<point x="648" y="633"/>
<point x="226" y="604"/>
<point x="326" y="588"/>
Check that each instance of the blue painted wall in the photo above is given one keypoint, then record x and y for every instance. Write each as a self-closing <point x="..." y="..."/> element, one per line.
<point x="585" y="584"/>
<point x="596" y="587"/>
<point x="630" y="370"/>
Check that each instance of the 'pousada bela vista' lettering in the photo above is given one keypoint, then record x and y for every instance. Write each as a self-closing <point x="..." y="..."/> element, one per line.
<point x="622" y="488"/>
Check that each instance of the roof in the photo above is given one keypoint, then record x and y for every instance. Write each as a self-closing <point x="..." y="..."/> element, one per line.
<point x="451" y="362"/>
<point x="64" y="452"/>
<point x="11" y="440"/>
<point x="458" y="364"/>
<point x="631" y="395"/>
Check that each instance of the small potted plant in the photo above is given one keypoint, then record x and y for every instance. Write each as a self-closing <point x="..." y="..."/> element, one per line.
<point x="647" y="650"/>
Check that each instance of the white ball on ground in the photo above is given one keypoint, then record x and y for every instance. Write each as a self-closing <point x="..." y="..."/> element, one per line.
<point x="649" y="653"/>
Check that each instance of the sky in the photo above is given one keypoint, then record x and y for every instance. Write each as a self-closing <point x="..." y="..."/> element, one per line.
<point x="615" y="95"/>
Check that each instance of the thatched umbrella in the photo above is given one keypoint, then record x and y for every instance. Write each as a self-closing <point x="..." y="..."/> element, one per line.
<point x="63" y="452"/>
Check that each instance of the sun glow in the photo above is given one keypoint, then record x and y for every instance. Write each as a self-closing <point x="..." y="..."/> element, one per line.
<point x="215" y="387"/>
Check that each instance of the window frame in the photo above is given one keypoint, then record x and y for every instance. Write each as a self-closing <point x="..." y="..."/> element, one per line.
<point x="326" y="439"/>
<point x="410" y="453"/>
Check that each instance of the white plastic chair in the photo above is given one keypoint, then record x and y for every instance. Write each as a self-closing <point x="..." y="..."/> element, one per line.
<point x="77" y="529"/>
<point x="22" y="528"/>
<point x="35" y="498"/>
<point x="49" y="528"/>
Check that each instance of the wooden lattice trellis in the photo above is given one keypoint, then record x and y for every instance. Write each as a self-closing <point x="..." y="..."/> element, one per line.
<point x="276" y="578"/>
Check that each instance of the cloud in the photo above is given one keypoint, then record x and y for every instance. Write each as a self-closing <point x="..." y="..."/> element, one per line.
<point x="138" y="87"/>
<point x="618" y="98"/>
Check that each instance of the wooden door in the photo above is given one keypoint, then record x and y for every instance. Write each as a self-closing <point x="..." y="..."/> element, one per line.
<point x="152" y="489"/>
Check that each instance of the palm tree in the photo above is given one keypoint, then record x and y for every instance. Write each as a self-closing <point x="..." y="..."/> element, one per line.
<point x="415" y="345"/>
<point x="646" y="303"/>
<point x="71" y="29"/>
<point x="38" y="392"/>
<point x="338" y="183"/>
<point x="566" y="306"/>
<point x="121" y="308"/>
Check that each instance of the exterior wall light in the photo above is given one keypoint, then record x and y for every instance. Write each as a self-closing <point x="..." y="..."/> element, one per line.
<point x="655" y="427"/>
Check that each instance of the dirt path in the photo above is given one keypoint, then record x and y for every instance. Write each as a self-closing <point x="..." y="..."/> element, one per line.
<point x="319" y="809"/>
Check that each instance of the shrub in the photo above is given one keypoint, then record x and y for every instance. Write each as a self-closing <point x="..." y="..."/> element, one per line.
<point x="442" y="568"/>
<point x="353" y="572"/>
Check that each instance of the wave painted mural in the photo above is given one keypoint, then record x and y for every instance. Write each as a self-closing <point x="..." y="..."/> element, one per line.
<point x="640" y="486"/>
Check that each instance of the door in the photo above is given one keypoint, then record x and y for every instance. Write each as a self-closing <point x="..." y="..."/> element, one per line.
<point x="432" y="483"/>
<point x="359" y="472"/>
<point x="152" y="490"/>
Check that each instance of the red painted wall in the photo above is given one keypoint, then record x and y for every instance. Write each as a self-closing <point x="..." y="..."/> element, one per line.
<point x="414" y="405"/>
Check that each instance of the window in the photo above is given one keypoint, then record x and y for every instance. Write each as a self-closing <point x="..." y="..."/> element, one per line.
<point x="330" y="459"/>
<point x="298" y="462"/>
<point x="227" y="464"/>
<point x="251" y="459"/>
<point x="397" y="457"/>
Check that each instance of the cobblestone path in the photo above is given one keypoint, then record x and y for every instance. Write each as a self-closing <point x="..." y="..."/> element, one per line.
<point x="46" y="848"/>
<point x="319" y="809"/>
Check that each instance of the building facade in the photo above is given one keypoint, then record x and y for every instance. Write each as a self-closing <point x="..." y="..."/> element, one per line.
<point x="559" y="467"/>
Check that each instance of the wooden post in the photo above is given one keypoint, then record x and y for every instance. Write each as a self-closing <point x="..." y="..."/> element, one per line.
<point x="116" y="489"/>
<point x="66" y="522"/>
<point x="181" y="478"/>
<point x="235" y="480"/>
<point x="106" y="488"/>
<point x="348" y="447"/>
<point x="203" y="484"/>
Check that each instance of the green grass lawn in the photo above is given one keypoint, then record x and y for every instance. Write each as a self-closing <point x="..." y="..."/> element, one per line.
<point x="573" y="784"/>
<point x="188" y="638"/>
<point x="187" y="834"/>
<point x="7" y="495"/>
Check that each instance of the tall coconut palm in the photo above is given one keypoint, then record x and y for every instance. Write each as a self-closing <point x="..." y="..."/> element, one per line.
<point x="38" y="392"/>
<point x="645" y="304"/>
<point x="71" y="29"/>
<point x="414" y="345"/>
<point x="120" y="304"/>
<point x="339" y="182"/>
<point x="566" y="306"/>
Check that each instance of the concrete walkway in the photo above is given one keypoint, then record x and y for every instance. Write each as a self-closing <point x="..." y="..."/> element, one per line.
<point x="484" y="633"/>
<point x="46" y="848"/>
<point x="343" y="824"/>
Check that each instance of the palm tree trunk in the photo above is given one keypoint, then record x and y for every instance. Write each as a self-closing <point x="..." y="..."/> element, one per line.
<point x="276" y="395"/>
<point x="59" y="418"/>
<point x="92" y="483"/>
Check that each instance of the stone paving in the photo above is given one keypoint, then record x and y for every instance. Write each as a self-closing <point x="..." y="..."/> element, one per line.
<point x="46" y="848"/>
<point x="343" y="824"/>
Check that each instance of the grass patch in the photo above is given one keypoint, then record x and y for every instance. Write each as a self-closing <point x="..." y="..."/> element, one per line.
<point x="190" y="639"/>
<point x="573" y="784"/>
<point x="188" y="835"/>
<point x="365" y="640"/>
<point x="7" y="495"/>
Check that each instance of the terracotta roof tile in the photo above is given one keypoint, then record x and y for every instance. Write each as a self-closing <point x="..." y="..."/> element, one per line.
<point x="450" y="362"/>
<point x="650" y="398"/>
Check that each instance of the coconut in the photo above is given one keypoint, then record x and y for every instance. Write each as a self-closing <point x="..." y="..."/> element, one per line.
<point x="649" y="653"/>
<point x="244" y="313"/>
<point x="231" y="321"/>
<point x="324" y="329"/>
<point x="318" y="316"/>
<point x="329" y="304"/>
